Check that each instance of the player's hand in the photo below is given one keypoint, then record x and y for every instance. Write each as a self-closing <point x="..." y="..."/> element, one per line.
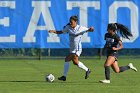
<point x="114" y="48"/>
<point x="51" y="31"/>
<point x="91" y="29"/>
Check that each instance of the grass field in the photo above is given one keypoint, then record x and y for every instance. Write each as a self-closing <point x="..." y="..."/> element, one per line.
<point x="28" y="76"/>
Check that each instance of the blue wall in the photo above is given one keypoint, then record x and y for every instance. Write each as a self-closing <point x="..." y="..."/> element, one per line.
<point x="25" y="23"/>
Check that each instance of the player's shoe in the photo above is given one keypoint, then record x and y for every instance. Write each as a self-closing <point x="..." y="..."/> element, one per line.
<point x="63" y="78"/>
<point x="132" y="67"/>
<point x="105" y="81"/>
<point x="87" y="73"/>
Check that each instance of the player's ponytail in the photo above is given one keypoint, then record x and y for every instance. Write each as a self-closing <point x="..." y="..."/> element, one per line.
<point x="124" y="31"/>
<point x="66" y="25"/>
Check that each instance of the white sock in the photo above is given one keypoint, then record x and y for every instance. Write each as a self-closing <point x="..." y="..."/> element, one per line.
<point x="82" y="66"/>
<point x="66" y="68"/>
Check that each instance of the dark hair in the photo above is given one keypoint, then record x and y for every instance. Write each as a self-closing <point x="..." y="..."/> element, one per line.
<point x="75" y="18"/>
<point x="66" y="25"/>
<point x="124" y="31"/>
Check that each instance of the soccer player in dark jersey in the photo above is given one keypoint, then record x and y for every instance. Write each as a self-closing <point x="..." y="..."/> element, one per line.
<point x="113" y="44"/>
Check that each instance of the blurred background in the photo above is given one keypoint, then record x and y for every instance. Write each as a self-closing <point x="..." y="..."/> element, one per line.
<point x="24" y="26"/>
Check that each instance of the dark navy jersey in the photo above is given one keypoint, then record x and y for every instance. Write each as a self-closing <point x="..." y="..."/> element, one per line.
<point x="111" y="41"/>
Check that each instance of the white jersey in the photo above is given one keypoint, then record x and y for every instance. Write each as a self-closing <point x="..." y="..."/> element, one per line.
<point x="75" y="37"/>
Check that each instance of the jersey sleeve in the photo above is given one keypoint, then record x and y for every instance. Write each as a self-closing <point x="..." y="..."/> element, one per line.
<point x="84" y="28"/>
<point x="81" y="30"/>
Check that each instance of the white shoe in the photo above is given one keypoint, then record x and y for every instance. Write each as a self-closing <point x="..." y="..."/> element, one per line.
<point x="104" y="81"/>
<point x="132" y="67"/>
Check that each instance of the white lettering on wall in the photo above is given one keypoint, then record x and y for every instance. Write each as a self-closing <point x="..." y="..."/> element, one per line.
<point x="5" y="21"/>
<point x="133" y="13"/>
<point x="40" y="7"/>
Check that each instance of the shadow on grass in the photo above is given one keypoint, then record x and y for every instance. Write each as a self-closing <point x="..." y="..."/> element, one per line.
<point x="55" y="82"/>
<point x="22" y="81"/>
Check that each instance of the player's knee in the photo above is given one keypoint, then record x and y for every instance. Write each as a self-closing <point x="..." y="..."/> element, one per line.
<point x="75" y="63"/>
<point x="106" y="65"/>
<point x="117" y="71"/>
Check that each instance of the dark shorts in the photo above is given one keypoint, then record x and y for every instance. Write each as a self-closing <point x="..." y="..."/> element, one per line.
<point x="114" y="54"/>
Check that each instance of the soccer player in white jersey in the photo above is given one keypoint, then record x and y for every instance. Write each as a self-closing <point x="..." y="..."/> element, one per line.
<point x="75" y="32"/>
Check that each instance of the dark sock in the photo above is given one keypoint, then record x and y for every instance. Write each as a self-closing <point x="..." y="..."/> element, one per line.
<point x="107" y="72"/>
<point x="123" y="68"/>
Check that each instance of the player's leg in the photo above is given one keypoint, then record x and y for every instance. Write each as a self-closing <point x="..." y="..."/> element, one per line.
<point x="81" y="65"/>
<point x="109" y="61"/>
<point x="66" y="67"/>
<point x="118" y="69"/>
<point x="78" y="63"/>
<point x="115" y="67"/>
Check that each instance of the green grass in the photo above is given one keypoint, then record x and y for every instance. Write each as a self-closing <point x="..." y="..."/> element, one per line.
<point x="28" y="76"/>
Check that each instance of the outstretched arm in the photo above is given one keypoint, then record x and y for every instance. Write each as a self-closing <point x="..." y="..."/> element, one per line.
<point x="91" y="29"/>
<point x="56" y="32"/>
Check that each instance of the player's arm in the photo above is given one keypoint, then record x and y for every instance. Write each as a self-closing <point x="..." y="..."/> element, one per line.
<point x="65" y="30"/>
<point x="91" y="29"/>
<point x="56" y="32"/>
<point x="120" y="46"/>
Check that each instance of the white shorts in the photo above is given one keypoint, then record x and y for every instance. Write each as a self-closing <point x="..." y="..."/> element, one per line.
<point x="78" y="53"/>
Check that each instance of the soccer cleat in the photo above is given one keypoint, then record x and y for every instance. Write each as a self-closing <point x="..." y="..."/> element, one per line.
<point x="87" y="74"/>
<point x="63" y="78"/>
<point x="132" y="67"/>
<point x="105" y="81"/>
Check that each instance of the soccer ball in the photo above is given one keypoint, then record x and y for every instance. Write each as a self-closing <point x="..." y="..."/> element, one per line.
<point x="50" y="78"/>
